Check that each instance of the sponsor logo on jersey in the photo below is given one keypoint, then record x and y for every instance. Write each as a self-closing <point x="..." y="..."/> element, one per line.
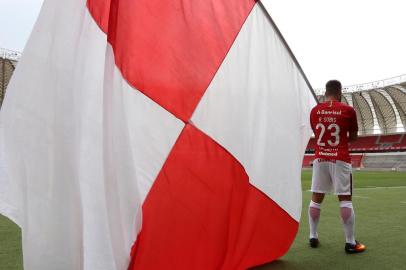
<point x="328" y="154"/>
<point x="324" y="112"/>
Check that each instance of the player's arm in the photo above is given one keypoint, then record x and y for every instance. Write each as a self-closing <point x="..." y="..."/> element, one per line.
<point x="353" y="130"/>
<point x="353" y="136"/>
<point x="312" y="121"/>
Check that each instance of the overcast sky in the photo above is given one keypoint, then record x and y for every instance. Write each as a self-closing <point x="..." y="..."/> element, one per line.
<point x="355" y="41"/>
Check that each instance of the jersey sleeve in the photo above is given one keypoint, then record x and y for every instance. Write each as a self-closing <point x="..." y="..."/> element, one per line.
<point x="353" y="121"/>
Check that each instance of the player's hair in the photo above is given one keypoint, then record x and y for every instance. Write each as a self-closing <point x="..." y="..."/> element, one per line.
<point x="333" y="88"/>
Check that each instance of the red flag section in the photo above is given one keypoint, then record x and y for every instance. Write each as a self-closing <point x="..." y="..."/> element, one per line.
<point x="202" y="213"/>
<point x="100" y="10"/>
<point x="171" y="49"/>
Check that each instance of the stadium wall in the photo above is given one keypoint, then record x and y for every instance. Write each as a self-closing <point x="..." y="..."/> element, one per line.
<point x="390" y="161"/>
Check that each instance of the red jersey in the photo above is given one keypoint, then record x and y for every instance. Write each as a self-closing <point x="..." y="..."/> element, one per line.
<point x="331" y="121"/>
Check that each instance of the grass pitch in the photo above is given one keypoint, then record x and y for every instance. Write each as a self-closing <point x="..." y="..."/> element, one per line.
<point x="380" y="218"/>
<point x="380" y="208"/>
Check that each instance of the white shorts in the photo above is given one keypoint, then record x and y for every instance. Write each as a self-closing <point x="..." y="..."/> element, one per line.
<point x="332" y="177"/>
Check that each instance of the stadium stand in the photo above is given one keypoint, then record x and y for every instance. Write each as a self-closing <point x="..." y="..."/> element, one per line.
<point x="8" y="61"/>
<point x="393" y="161"/>
<point x="356" y="160"/>
<point x="374" y="143"/>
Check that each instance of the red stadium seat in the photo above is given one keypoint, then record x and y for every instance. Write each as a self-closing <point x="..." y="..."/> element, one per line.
<point x="356" y="160"/>
<point x="375" y="143"/>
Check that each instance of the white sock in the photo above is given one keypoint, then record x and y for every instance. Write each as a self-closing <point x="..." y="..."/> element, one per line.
<point x="348" y="219"/>
<point x="314" y="217"/>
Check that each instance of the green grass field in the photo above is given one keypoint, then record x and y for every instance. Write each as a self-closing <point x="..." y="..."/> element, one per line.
<point x="380" y="205"/>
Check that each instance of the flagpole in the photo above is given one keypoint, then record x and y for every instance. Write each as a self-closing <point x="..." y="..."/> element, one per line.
<point x="288" y="48"/>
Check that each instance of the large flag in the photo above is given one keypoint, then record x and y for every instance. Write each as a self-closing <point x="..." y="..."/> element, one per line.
<point x="154" y="134"/>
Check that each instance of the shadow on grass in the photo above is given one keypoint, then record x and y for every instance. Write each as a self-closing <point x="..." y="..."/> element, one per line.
<point x="277" y="265"/>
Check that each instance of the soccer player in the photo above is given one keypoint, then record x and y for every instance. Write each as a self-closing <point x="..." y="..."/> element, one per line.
<point x="334" y="125"/>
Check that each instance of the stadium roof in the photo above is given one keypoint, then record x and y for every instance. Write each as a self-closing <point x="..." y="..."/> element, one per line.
<point x="8" y="61"/>
<point x="380" y="105"/>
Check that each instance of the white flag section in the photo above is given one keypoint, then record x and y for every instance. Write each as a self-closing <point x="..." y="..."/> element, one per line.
<point x="85" y="156"/>
<point x="262" y="118"/>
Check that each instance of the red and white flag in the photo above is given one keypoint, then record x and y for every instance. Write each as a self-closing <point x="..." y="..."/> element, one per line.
<point x="154" y="134"/>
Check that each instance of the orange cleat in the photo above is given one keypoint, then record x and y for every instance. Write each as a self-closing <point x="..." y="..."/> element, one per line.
<point x="357" y="248"/>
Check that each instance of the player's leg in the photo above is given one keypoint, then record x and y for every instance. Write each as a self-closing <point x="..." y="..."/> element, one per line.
<point x="348" y="220"/>
<point x="321" y="184"/>
<point x="342" y="182"/>
<point x="314" y="217"/>
<point x="347" y="217"/>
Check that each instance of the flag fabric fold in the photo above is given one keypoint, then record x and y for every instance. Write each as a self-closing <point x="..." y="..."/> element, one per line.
<point x="174" y="129"/>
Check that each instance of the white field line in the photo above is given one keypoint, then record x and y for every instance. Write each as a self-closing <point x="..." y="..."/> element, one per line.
<point x="399" y="187"/>
<point x="381" y="187"/>
<point x="362" y="197"/>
